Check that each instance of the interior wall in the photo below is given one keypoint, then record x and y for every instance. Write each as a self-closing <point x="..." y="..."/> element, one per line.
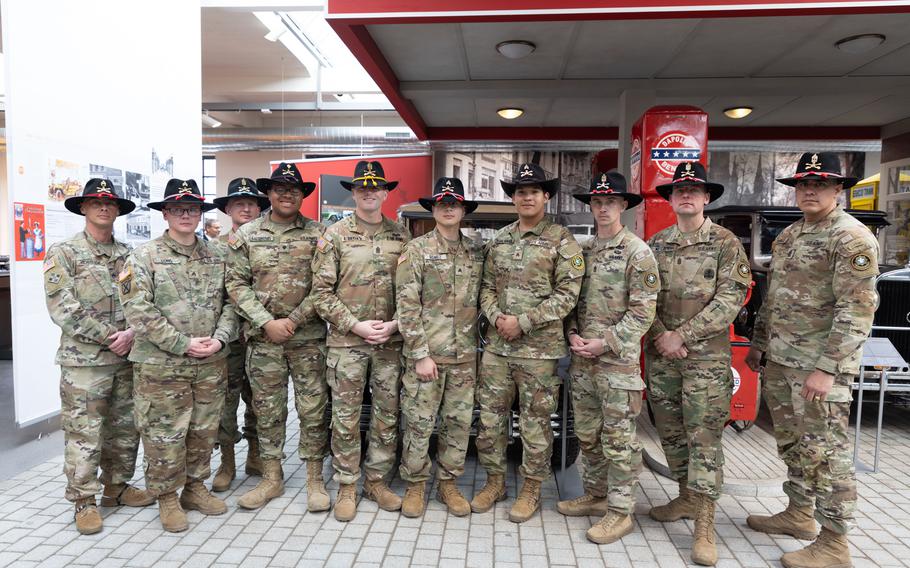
<point x="5" y="230"/>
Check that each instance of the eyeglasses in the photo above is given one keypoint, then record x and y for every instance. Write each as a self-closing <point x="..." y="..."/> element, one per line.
<point x="292" y="191"/>
<point x="181" y="211"/>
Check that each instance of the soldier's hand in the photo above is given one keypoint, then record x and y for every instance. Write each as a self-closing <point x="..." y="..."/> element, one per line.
<point x="668" y="344"/>
<point x="753" y="358"/>
<point x="384" y="331"/>
<point x="595" y="347"/>
<point x="575" y="341"/>
<point x="368" y="331"/>
<point x="202" y="347"/>
<point x="279" y="330"/>
<point x="426" y="369"/>
<point x="817" y="386"/>
<point x="122" y="341"/>
<point x="508" y="327"/>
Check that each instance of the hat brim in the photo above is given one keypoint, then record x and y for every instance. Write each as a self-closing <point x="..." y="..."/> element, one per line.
<point x="388" y="186"/>
<point x="551" y="186"/>
<point x="715" y="190"/>
<point x="847" y="182"/>
<point x="265" y="184"/>
<point x="74" y="203"/>
<point x="632" y="199"/>
<point x="428" y="203"/>
<point x="159" y="205"/>
<point x="222" y="202"/>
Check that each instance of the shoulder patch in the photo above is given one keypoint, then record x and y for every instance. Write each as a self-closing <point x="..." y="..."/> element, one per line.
<point x="402" y="258"/>
<point x="743" y="269"/>
<point x="650" y="280"/>
<point x="49" y="264"/>
<point x="861" y="262"/>
<point x="578" y="262"/>
<point x="125" y="280"/>
<point x="322" y="244"/>
<point x="233" y="241"/>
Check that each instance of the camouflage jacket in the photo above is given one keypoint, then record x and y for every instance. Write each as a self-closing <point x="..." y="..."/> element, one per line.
<point x="80" y="283"/>
<point x="270" y="275"/>
<point x="171" y="293"/>
<point x="704" y="277"/>
<point x="535" y="275"/>
<point x="821" y="295"/>
<point x="618" y="296"/>
<point x="437" y="288"/>
<point x="354" y="277"/>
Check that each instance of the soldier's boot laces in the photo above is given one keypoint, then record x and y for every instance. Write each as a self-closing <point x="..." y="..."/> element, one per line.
<point x="346" y="502"/>
<point x="493" y="491"/>
<point x="317" y="497"/>
<point x="378" y="491"/>
<point x="704" y="548"/>
<point x="116" y="494"/>
<point x="253" y="461"/>
<point x="585" y="506"/>
<point x="794" y="521"/>
<point x="527" y="503"/>
<point x="172" y="515"/>
<point x="448" y="494"/>
<point x="681" y="507"/>
<point x="612" y="527"/>
<point x="88" y="519"/>
<point x="196" y="497"/>
<point x="413" y="503"/>
<point x="270" y="486"/>
<point x="830" y="550"/>
<point x="226" y="471"/>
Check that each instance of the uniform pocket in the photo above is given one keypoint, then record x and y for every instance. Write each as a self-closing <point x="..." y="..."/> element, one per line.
<point x="331" y="366"/>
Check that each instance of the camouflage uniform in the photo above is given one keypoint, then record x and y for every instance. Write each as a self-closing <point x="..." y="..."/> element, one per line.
<point x="535" y="275"/>
<point x="704" y="276"/>
<point x="617" y="304"/>
<point x="269" y="278"/>
<point x="818" y="311"/>
<point x="353" y="281"/>
<point x="437" y="287"/>
<point x="96" y="385"/>
<point x="171" y="293"/>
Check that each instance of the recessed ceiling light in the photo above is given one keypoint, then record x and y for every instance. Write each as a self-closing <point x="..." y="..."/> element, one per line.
<point x="860" y="43"/>
<point x="738" y="112"/>
<point x="515" y="49"/>
<point x="265" y="110"/>
<point x="510" y="113"/>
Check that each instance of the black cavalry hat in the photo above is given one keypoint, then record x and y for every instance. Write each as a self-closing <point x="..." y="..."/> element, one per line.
<point x="184" y="192"/>
<point x="820" y="165"/>
<point x="688" y="173"/>
<point x="242" y="187"/>
<point x="369" y="175"/>
<point x="102" y="189"/>
<point x="448" y="190"/>
<point x="531" y="174"/>
<point x="610" y="183"/>
<point x="288" y="174"/>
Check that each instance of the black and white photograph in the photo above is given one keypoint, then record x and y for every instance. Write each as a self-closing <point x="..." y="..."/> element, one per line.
<point x="137" y="189"/>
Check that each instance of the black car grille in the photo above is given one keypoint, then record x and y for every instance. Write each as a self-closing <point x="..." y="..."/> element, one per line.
<point x="894" y="311"/>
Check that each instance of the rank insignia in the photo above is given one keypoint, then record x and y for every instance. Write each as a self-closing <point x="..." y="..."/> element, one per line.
<point x="650" y="280"/>
<point x="861" y="262"/>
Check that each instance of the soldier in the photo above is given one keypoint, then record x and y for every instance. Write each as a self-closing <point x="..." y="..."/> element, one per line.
<point x="615" y="308"/>
<point x="96" y="379"/>
<point x="531" y="279"/>
<point x="828" y="261"/>
<point x="269" y="281"/>
<point x="354" y="291"/>
<point x="242" y="204"/>
<point x="437" y="282"/>
<point x="172" y="290"/>
<point x="704" y="274"/>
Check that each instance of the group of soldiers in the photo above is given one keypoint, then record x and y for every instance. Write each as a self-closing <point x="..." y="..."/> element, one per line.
<point x="161" y="343"/>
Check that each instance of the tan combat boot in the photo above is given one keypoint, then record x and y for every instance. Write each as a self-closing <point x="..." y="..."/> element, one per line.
<point x="378" y="491"/>
<point x="448" y="494"/>
<point x="527" y="503"/>
<point x="682" y="507"/>
<point x="270" y="486"/>
<point x="317" y="498"/>
<point x="253" y="461"/>
<point x="704" y="549"/>
<point x="173" y="518"/>
<point x="829" y="550"/>
<point x="414" y="504"/>
<point x="493" y="491"/>
<point x="346" y="502"/>
<point x="226" y="471"/>
<point x="88" y="519"/>
<point x="585" y="506"/>
<point x="196" y="497"/>
<point x="794" y="521"/>
<point x="116" y="494"/>
<point x="612" y="527"/>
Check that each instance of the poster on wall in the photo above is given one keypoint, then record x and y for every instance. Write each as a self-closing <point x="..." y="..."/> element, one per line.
<point x="28" y="219"/>
<point x="64" y="179"/>
<point x="107" y="172"/>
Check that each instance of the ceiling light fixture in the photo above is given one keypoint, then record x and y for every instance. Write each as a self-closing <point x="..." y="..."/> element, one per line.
<point x="860" y="43"/>
<point x="265" y="110"/>
<point x="738" y="112"/>
<point x="515" y="49"/>
<point x="209" y="121"/>
<point x="510" y="113"/>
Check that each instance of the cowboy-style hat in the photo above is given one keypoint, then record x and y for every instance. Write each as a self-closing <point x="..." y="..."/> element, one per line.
<point x="448" y="190"/>
<point x="610" y="183"/>
<point x="689" y="173"/>
<point x="183" y="192"/>
<point x="369" y="175"/>
<point x="102" y="189"/>
<point x="531" y="174"/>
<point x="242" y="187"/>
<point x="821" y="165"/>
<point x="287" y="174"/>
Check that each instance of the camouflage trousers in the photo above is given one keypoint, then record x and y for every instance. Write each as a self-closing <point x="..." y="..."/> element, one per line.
<point x="538" y="394"/>
<point x="238" y="387"/>
<point x="691" y="404"/>
<point x="177" y="409"/>
<point x="348" y="369"/>
<point x="98" y="427"/>
<point x="813" y="441"/>
<point x="451" y="397"/>
<point x="605" y="414"/>
<point x="268" y="366"/>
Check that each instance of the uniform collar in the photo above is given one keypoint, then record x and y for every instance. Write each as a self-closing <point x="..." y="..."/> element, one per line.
<point x="614" y="241"/>
<point x="273" y="227"/>
<point x="118" y="249"/>
<point x="536" y="229"/>
<point x="702" y="235"/>
<point x="197" y="248"/>
<point x="822" y="224"/>
<point x="354" y="227"/>
<point x="444" y="243"/>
